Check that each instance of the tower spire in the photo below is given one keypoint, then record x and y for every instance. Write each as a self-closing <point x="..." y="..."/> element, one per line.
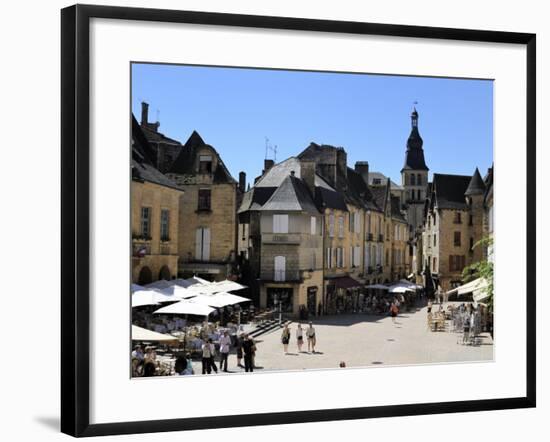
<point x="414" y="157"/>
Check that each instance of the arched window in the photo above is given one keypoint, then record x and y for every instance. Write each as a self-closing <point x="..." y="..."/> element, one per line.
<point x="413" y="181"/>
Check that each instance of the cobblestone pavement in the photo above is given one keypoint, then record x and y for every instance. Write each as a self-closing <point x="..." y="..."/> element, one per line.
<point x="362" y="340"/>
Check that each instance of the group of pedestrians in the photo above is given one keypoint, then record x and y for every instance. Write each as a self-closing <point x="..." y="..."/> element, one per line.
<point x="310" y="335"/>
<point x="245" y="349"/>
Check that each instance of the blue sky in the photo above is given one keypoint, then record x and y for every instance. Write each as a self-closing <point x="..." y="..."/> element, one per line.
<point x="235" y="109"/>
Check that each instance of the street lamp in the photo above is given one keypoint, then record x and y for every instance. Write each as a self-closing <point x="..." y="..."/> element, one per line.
<point x="278" y="304"/>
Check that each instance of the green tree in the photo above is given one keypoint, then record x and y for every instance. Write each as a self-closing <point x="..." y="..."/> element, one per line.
<point x="482" y="269"/>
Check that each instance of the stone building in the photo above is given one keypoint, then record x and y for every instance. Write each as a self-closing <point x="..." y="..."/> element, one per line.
<point x="281" y="236"/>
<point x="345" y="210"/>
<point x="488" y="224"/>
<point x="155" y="203"/>
<point x="454" y="216"/>
<point x="393" y="247"/>
<point x="208" y="211"/>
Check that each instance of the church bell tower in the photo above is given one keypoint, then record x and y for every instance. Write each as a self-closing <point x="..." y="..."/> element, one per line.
<point x="414" y="176"/>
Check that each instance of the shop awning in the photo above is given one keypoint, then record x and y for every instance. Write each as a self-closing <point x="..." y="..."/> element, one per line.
<point x="345" y="282"/>
<point x="477" y="288"/>
<point x="142" y="334"/>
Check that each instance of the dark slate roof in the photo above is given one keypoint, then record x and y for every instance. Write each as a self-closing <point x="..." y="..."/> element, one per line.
<point x="185" y="161"/>
<point x="143" y="159"/>
<point x="291" y="195"/>
<point x="379" y="196"/>
<point x="476" y="185"/>
<point x="359" y="191"/>
<point x="396" y="209"/>
<point x="255" y="198"/>
<point x="348" y="182"/>
<point x="278" y="172"/>
<point x="154" y="136"/>
<point x="330" y="199"/>
<point x="449" y="190"/>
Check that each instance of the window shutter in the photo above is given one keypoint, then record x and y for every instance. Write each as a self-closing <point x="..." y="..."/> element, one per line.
<point x="342" y="257"/>
<point x="280" y="267"/>
<point x="206" y="245"/>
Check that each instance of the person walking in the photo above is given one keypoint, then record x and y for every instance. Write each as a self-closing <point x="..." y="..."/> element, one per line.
<point x="311" y="339"/>
<point x="206" y="357"/>
<point x="466" y="328"/>
<point x="394" y="310"/>
<point x="239" y="346"/>
<point x="299" y="337"/>
<point x="212" y="356"/>
<point x="248" y="351"/>
<point x="225" y="345"/>
<point x="285" y="338"/>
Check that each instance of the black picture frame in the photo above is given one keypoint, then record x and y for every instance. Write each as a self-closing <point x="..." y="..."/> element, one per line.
<point x="75" y="212"/>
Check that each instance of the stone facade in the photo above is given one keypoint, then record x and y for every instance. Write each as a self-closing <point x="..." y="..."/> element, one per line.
<point x="451" y="230"/>
<point x="211" y="206"/>
<point x="300" y="250"/>
<point x="154" y="257"/>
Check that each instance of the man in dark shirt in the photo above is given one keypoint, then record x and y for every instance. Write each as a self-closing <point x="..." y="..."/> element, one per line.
<point x="248" y="349"/>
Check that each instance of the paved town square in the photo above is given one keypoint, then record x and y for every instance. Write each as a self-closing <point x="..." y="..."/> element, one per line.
<point x="361" y="340"/>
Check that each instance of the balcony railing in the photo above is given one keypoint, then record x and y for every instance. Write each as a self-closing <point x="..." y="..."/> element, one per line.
<point x="369" y="236"/>
<point x="281" y="238"/>
<point x="287" y="275"/>
<point x="165" y="249"/>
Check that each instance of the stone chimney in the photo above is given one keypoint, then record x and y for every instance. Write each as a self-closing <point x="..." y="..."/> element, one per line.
<point x="307" y="173"/>
<point x="268" y="164"/>
<point x="144" y="113"/>
<point x="145" y="118"/>
<point x="362" y="168"/>
<point x="341" y="162"/>
<point x="242" y="181"/>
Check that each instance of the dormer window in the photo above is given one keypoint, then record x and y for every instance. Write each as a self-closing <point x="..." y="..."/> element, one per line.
<point x="205" y="163"/>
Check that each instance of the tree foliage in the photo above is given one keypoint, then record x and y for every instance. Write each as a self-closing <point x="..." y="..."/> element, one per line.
<point x="482" y="269"/>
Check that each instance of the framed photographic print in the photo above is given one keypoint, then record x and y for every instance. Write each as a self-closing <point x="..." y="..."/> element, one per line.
<point x="337" y="218"/>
